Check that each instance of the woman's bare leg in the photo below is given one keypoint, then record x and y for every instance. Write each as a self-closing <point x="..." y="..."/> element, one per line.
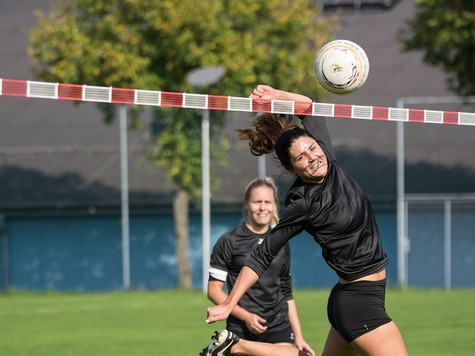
<point x="253" y="348"/>
<point x="337" y="346"/>
<point x="382" y="341"/>
<point x="226" y="342"/>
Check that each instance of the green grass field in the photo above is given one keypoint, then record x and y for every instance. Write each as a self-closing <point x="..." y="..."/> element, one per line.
<point x="433" y="322"/>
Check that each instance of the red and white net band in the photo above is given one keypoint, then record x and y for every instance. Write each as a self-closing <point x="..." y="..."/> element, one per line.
<point x="88" y="93"/>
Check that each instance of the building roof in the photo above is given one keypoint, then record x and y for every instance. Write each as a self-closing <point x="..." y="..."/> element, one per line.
<point x="58" y="155"/>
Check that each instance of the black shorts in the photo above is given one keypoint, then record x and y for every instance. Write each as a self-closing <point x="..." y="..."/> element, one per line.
<point x="357" y="308"/>
<point x="275" y="337"/>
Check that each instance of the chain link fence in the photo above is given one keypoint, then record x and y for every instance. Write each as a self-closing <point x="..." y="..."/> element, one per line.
<point x="440" y="241"/>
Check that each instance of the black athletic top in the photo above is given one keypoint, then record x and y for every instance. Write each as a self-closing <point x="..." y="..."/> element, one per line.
<point x="336" y="213"/>
<point x="268" y="297"/>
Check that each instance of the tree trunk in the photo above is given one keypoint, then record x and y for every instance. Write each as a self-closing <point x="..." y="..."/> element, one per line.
<point x="180" y="213"/>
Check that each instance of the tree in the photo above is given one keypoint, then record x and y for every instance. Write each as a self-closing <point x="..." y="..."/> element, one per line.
<point x="154" y="44"/>
<point x="445" y="31"/>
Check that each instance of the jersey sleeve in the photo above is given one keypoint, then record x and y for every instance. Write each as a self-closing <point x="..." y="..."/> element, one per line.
<point x="221" y="258"/>
<point x="285" y="276"/>
<point x="293" y="221"/>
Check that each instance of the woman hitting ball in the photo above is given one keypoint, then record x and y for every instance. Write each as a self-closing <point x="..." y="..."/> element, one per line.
<point x="328" y="204"/>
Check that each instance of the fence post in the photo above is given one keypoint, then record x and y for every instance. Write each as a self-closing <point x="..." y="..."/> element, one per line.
<point x="5" y="253"/>
<point x="447" y="244"/>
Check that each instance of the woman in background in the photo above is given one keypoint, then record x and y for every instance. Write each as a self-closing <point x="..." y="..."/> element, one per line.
<point x="267" y="312"/>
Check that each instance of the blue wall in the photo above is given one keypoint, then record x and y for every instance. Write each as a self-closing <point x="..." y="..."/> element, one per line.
<point x="85" y="254"/>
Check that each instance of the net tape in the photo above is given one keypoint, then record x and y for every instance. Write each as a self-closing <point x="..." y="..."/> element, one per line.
<point x="89" y="93"/>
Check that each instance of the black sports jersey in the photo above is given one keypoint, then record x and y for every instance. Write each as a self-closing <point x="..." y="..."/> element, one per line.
<point x="268" y="297"/>
<point x="336" y="213"/>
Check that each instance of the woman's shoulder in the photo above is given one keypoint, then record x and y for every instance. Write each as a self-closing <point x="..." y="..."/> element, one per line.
<point x="295" y="190"/>
<point x="301" y="193"/>
<point x="301" y="190"/>
<point x="240" y="230"/>
<point x="230" y="235"/>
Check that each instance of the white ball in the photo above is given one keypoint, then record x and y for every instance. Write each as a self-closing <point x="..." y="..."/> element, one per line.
<point x="341" y="67"/>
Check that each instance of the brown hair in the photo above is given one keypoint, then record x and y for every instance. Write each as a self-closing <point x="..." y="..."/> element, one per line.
<point x="273" y="132"/>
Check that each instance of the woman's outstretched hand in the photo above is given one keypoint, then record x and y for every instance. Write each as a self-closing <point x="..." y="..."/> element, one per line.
<point x="217" y="313"/>
<point x="247" y="277"/>
<point x="266" y="92"/>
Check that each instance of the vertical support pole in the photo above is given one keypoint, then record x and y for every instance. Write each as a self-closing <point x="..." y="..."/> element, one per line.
<point x="5" y="254"/>
<point x="406" y="243"/>
<point x="261" y="166"/>
<point x="201" y="77"/>
<point x="401" y="236"/>
<point x="447" y="244"/>
<point x="206" y="211"/>
<point x="124" y="179"/>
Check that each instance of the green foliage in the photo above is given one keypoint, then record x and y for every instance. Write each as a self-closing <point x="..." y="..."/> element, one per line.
<point x="154" y="44"/>
<point x="445" y="31"/>
<point x="179" y="148"/>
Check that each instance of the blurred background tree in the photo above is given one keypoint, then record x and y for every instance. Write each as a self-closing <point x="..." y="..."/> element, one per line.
<point x="445" y="32"/>
<point x="154" y="44"/>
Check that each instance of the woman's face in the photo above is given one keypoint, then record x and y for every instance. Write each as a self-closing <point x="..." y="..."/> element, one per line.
<point x="308" y="160"/>
<point x="260" y="207"/>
